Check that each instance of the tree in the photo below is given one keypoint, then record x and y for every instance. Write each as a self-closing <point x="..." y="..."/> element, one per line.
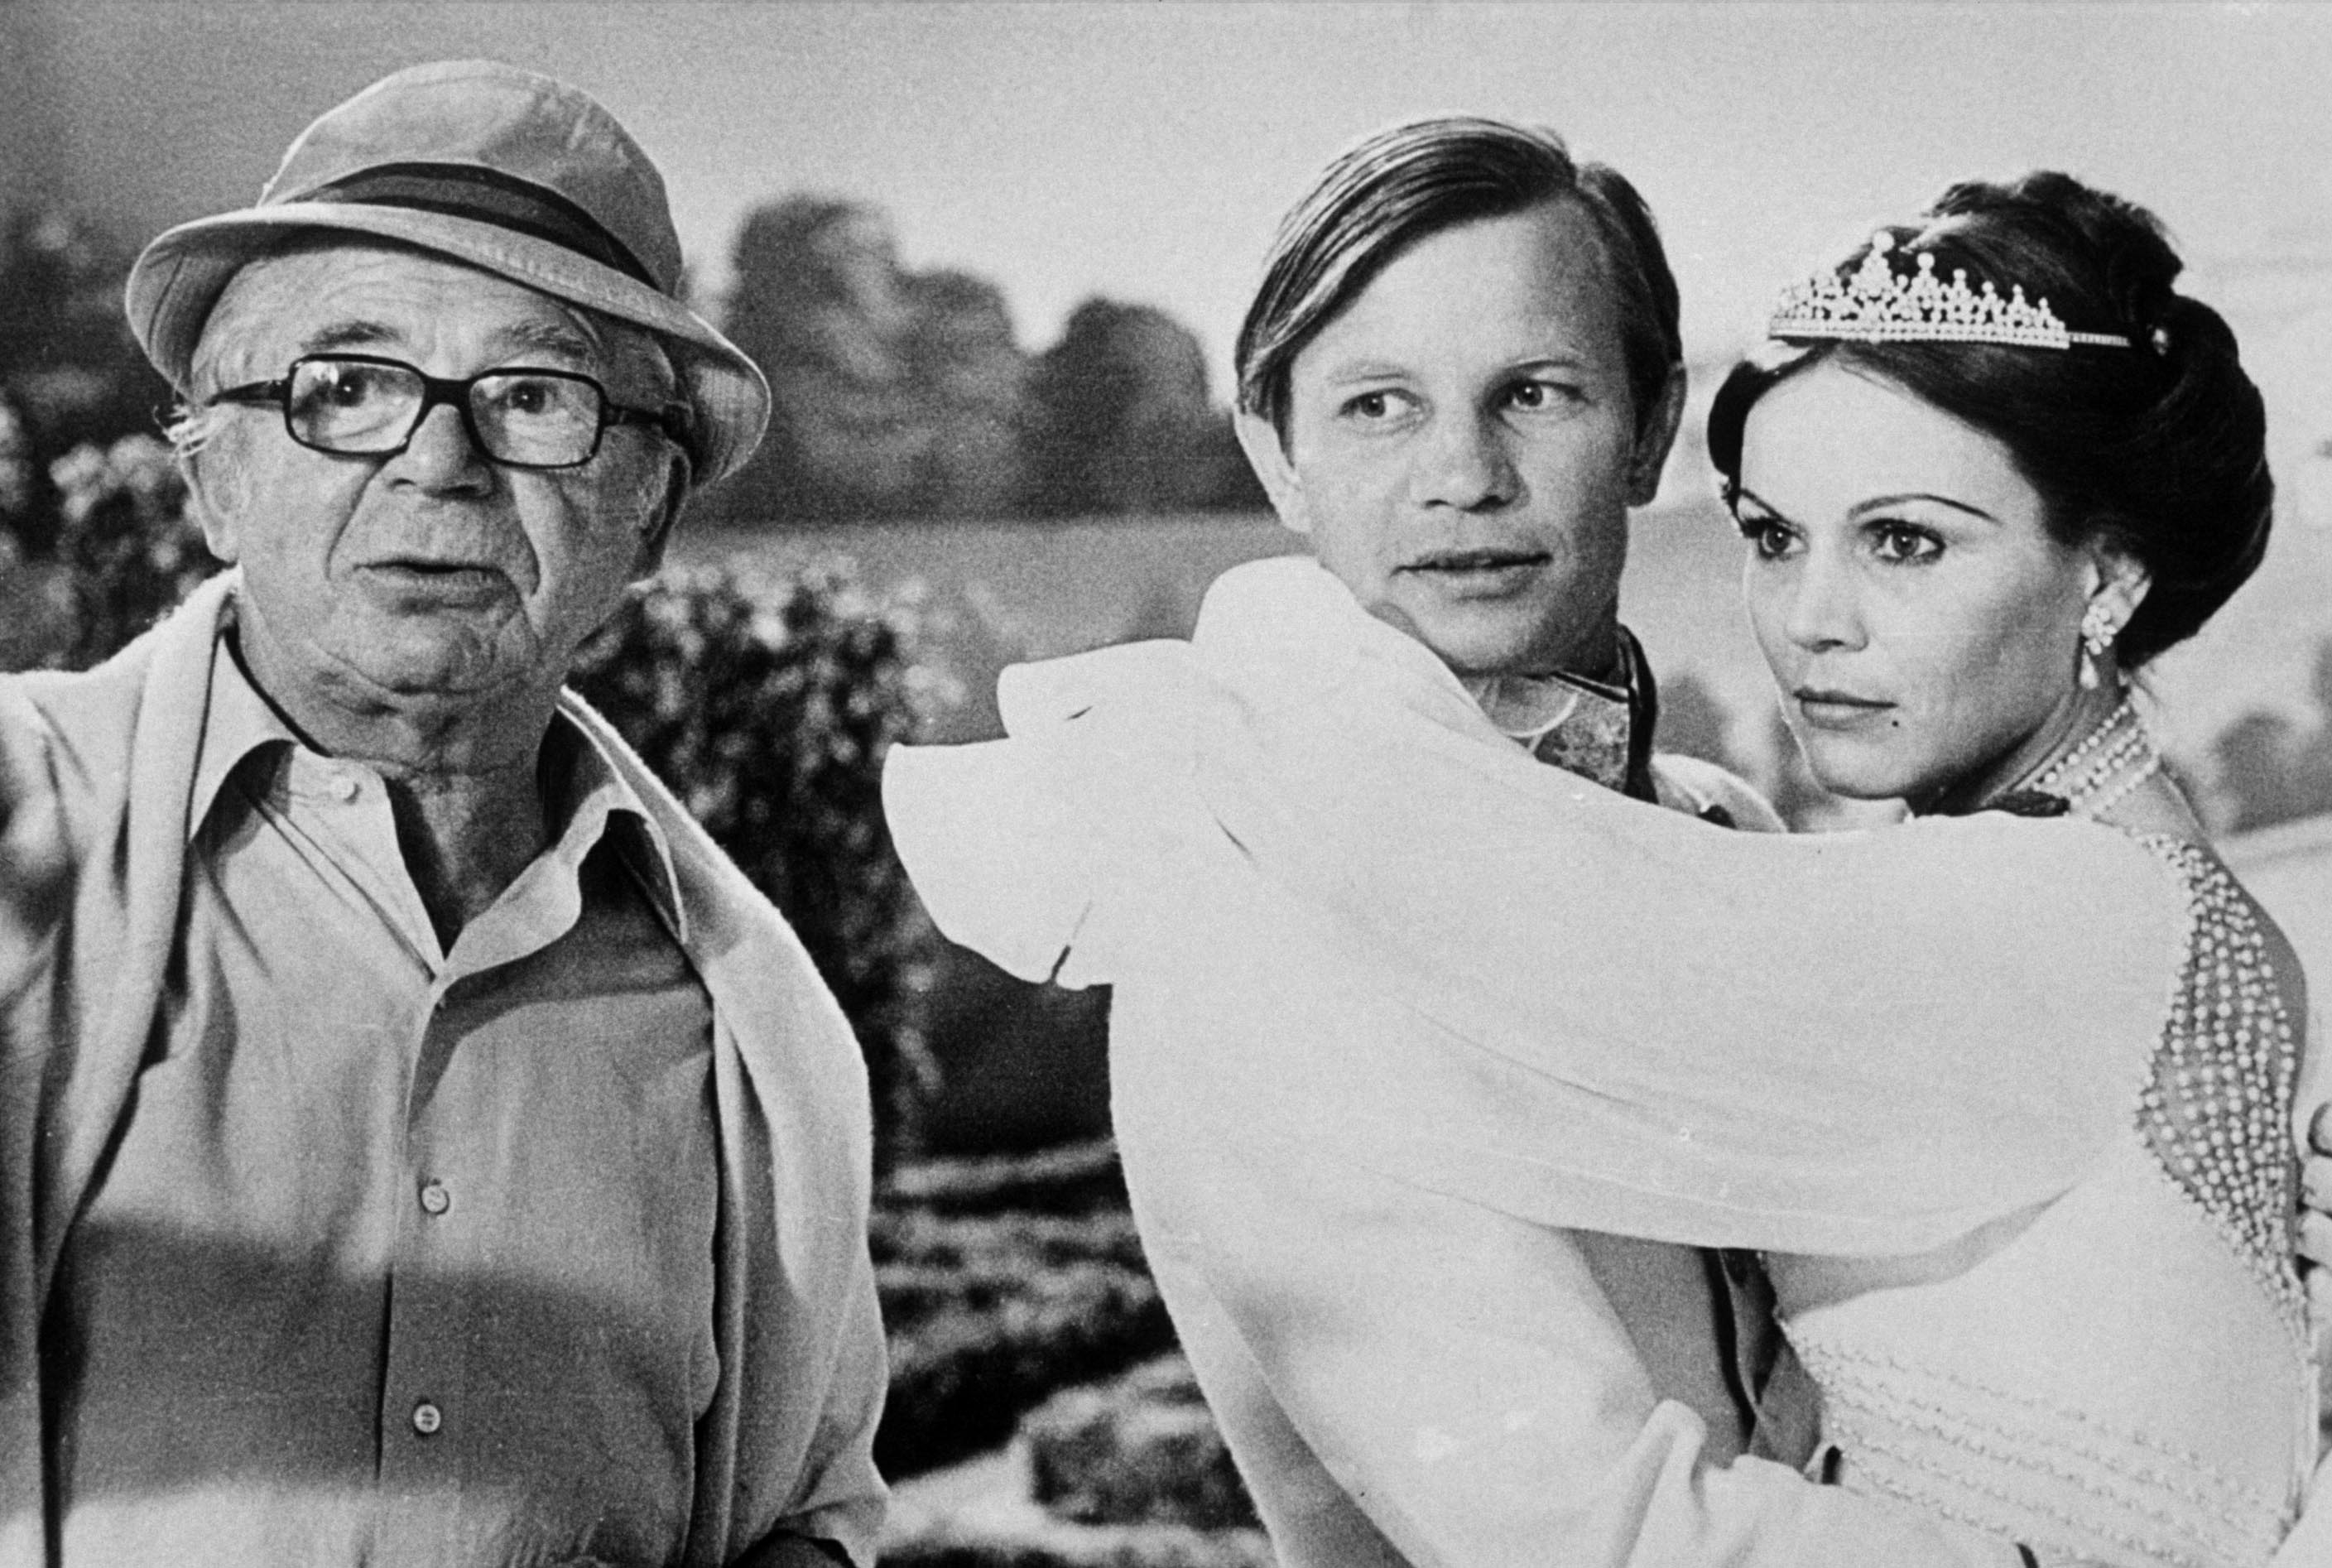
<point x="968" y="380"/>
<point x="817" y="305"/>
<point x="894" y="394"/>
<point x="1119" y="416"/>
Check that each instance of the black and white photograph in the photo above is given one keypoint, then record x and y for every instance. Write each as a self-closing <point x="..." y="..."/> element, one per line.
<point x="1165" y="784"/>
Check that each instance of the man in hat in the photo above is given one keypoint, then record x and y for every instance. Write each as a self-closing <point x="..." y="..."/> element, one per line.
<point x="418" y="1143"/>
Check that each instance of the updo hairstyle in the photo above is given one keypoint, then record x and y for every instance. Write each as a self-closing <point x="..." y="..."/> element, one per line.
<point x="2159" y="448"/>
<point x="1416" y="179"/>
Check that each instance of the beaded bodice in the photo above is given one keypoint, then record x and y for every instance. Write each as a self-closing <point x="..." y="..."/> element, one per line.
<point x="2217" y="1112"/>
<point x="2126" y="1381"/>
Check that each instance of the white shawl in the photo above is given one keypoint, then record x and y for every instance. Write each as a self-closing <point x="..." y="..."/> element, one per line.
<point x="1575" y="1008"/>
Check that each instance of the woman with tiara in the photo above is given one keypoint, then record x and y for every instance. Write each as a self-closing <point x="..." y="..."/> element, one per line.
<point x="1940" y="474"/>
<point x="2003" y="1095"/>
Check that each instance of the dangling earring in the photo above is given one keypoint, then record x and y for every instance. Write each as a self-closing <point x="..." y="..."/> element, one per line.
<point x="2098" y="635"/>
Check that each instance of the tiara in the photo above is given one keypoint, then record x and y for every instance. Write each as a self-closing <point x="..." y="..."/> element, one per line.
<point x="1880" y="305"/>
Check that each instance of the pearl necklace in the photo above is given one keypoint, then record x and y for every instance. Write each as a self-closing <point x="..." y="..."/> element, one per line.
<point x="2096" y="775"/>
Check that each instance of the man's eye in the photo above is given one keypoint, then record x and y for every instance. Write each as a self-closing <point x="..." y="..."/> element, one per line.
<point x="1532" y="396"/>
<point x="354" y="386"/>
<point x="358" y="390"/>
<point x="536" y="397"/>
<point x="525" y="397"/>
<point x="1370" y="405"/>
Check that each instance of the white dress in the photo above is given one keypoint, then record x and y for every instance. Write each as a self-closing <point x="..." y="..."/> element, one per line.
<point x="2096" y="1386"/>
<point x="2006" y="1102"/>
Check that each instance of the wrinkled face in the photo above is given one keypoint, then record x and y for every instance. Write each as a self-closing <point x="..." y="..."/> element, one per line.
<point x="1921" y="621"/>
<point x="1460" y="445"/>
<point x="431" y="573"/>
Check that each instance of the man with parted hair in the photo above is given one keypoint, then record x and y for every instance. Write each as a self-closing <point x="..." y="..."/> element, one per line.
<point x="420" y="1143"/>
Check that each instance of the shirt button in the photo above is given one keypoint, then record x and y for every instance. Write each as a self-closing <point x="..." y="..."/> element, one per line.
<point x="434" y="1199"/>
<point x="428" y="1417"/>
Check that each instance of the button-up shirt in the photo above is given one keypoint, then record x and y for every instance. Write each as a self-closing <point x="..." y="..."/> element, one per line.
<point x="404" y="1253"/>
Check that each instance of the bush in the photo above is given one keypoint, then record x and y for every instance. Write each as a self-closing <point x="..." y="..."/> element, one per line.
<point x="95" y="544"/>
<point x="991" y="1315"/>
<point x="1056" y="1543"/>
<point x="124" y="542"/>
<point x="1073" y="1179"/>
<point x="769" y="716"/>
<point x="1142" y="1450"/>
<point x="2269" y="770"/>
<point x="68" y="363"/>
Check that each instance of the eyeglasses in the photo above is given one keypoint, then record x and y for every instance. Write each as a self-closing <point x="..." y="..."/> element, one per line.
<point x="361" y="406"/>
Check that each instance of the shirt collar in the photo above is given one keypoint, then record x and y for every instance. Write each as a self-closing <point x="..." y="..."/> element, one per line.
<point x="236" y="721"/>
<point x="1599" y="730"/>
<point x="588" y="796"/>
<point x="587" y="790"/>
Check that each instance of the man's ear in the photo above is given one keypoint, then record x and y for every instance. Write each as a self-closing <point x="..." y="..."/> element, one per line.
<point x="656" y="531"/>
<point x="1660" y="434"/>
<point x="213" y="496"/>
<point x="1259" y="439"/>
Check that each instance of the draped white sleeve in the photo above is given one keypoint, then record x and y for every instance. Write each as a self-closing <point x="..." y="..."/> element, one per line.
<point x="1579" y="1010"/>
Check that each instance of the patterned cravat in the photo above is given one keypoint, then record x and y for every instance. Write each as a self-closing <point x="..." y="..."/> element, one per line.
<point x="1598" y="729"/>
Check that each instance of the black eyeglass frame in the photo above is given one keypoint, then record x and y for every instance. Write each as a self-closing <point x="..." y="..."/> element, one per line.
<point x="672" y="421"/>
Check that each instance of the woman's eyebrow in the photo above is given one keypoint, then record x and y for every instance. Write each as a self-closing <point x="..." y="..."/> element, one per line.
<point x="1876" y="502"/>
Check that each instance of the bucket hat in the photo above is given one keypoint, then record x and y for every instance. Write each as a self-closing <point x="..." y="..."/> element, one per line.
<point x="511" y="171"/>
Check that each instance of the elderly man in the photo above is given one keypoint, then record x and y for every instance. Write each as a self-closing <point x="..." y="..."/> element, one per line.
<point x="421" y="1146"/>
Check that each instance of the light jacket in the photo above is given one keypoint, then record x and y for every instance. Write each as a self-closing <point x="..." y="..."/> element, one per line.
<point x="96" y="774"/>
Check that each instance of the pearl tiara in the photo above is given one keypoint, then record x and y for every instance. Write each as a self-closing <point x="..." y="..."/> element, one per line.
<point x="1881" y="305"/>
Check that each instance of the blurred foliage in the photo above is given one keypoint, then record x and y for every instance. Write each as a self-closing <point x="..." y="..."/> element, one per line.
<point x="990" y="1314"/>
<point x="69" y="367"/>
<point x="1140" y="1449"/>
<point x="2269" y="770"/>
<point x="860" y="391"/>
<point x="1119" y="420"/>
<point x="127" y="549"/>
<point x="1072" y="1178"/>
<point x="1050" y="1542"/>
<point x="769" y="715"/>
<point x="900" y="394"/>
<point x="961" y="356"/>
<point x="95" y="542"/>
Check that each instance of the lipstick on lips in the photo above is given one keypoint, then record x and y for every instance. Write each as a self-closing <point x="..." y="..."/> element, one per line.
<point x="1825" y="709"/>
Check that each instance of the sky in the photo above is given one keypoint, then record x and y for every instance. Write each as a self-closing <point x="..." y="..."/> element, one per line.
<point x="1143" y="151"/>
